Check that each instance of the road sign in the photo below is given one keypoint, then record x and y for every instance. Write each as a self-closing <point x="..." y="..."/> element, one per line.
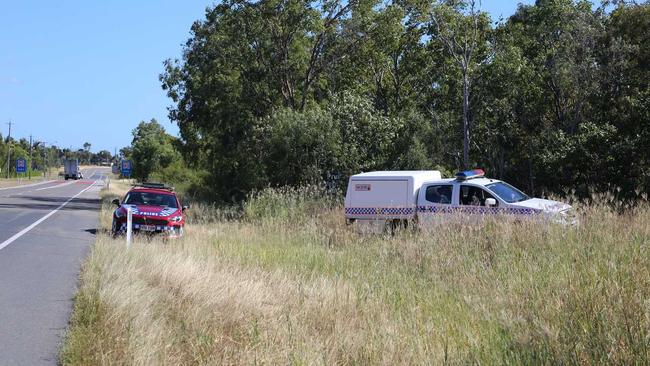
<point x="21" y="165"/>
<point x="126" y="168"/>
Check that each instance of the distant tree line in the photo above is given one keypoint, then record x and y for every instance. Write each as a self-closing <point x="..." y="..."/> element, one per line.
<point x="44" y="155"/>
<point x="284" y="92"/>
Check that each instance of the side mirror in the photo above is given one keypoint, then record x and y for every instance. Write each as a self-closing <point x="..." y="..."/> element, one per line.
<point x="490" y="202"/>
<point x="116" y="202"/>
<point x="185" y="207"/>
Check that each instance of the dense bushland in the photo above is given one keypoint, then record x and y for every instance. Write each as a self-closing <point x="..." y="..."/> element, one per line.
<point x="284" y="92"/>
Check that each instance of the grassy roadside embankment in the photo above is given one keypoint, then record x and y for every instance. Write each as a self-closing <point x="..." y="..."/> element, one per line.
<point x="37" y="177"/>
<point x="289" y="283"/>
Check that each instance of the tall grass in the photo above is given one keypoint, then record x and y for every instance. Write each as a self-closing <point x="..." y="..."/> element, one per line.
<point x="288" y="282"/>
<point x="288" y="204"/>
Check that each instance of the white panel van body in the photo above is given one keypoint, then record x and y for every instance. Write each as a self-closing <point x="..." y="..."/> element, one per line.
<point x="385" y="194"/>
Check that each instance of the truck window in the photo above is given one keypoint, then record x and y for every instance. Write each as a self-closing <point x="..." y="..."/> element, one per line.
<point x="473" y="196"/>
<point x="439" y="194"/>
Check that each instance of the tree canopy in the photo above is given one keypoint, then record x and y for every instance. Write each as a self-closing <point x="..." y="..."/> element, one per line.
<point x="153" y="149"/>
<point x="286" y="92"/>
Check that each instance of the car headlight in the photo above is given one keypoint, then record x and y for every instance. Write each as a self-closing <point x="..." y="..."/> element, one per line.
<point x="119" y="213"/>
<point x="176" y="219"/>
<point x="569" y="217"/>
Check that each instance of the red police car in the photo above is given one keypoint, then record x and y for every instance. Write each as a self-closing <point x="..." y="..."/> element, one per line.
<point x="155" y="209"/>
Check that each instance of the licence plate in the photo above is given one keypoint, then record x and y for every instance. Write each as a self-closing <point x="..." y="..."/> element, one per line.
<point x="147" y="228"/>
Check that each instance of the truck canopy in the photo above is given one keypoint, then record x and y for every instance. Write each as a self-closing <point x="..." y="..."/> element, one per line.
<point x="385" y="193"/>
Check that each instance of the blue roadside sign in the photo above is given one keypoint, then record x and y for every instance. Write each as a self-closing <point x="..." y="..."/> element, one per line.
<point x="21" y="165"/>
<point x="126" y="168"/>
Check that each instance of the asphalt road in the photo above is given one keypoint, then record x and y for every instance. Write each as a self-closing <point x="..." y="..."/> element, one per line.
<point x="45" y="232"/>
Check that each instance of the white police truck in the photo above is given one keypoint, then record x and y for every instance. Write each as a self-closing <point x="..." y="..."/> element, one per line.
<point x="375" y="199"/>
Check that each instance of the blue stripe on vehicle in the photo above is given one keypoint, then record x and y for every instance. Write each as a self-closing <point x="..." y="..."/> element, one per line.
<point x="472" y="210"/>
<point x="478" y="210"/>
<point x="379" y="210"/>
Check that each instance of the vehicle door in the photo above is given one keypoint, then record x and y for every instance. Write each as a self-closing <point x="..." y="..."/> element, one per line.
<point x="472" y="202"/>
<point x="435" y="203"/>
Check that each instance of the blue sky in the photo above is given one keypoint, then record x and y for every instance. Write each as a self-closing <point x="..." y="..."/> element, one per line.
<point x="77" y="71"/>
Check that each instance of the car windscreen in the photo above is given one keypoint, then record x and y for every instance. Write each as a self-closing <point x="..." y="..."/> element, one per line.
<point x="151" y="199"/>
<point x="507" y="192"/>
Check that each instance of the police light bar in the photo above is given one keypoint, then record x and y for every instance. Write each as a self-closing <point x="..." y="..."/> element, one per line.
<point x="469" y="174"/>
<point x="154" y="186"/>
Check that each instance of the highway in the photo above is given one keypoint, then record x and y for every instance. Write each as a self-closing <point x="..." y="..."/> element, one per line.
<point x="46" y="231"/>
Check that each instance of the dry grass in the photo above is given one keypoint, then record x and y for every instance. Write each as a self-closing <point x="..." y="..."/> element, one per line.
<point x="37" y="177"/>
<point x="15" y="182"/>
<point x="294" y="285"/>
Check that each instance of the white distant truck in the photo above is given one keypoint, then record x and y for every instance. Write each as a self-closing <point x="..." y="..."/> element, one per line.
<point x="71" y="169"/>
<point x="402" y="197"/>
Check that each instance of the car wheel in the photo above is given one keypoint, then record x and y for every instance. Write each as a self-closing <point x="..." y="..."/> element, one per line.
<point x="114" y="228"/>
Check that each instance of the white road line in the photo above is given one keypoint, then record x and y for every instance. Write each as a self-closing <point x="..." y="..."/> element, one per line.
<point x="28" y="185"/>
<point x="64" y="184"/>
<point x="41" y="183"/>
<point x="30" y="227"/>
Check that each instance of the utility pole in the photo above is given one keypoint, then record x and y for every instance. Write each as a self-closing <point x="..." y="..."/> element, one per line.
<point x="46" y="156"/>
<point x="9" y="149"/>
<point x="30" y="157"/>
<point x="45" y="167"/>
